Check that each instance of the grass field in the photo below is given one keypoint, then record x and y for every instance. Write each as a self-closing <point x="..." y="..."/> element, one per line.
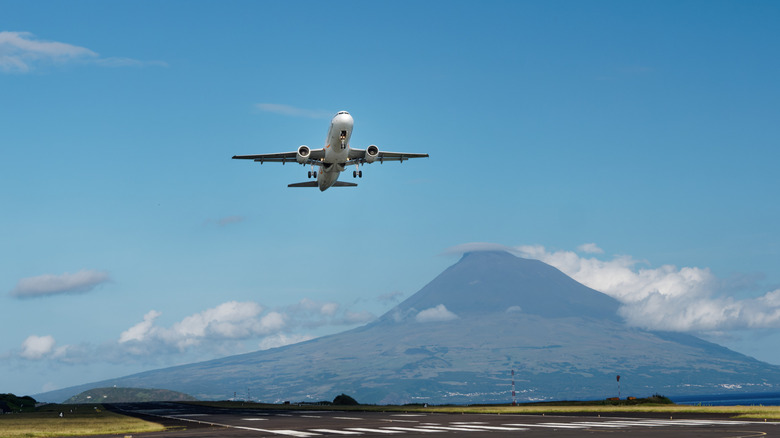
<point x="76" y="420"/>
<point x="747" y="412"/>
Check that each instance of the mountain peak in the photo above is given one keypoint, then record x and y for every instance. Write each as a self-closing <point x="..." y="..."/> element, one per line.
<point x="492" y="281"/>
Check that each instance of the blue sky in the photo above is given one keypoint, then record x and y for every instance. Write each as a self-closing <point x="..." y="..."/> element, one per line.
<point x="633" y="145"/>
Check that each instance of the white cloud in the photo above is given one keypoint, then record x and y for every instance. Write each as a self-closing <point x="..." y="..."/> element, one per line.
<point x="390" y="297"/>
<point x="476" y="247"/>
<point x="436" y="314"/>
<point x="229" y="220"/>
<point x="21" y="52"/>
<point x="224" y="326"/>
<point x="590" y="248"/>
<point x="288" y="110"/>
<point x="231" y="320"/>
<point x="664" y="298"/>
<point x="281" y="339"/>
<point x="45" y="285"/>
<point x="140" y="331"/>
<point x="37" y="347"/>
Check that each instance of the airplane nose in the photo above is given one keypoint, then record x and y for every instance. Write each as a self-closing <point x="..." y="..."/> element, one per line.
<point x="344" y="117"/>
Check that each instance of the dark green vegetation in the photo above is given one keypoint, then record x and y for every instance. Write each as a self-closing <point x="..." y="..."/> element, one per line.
<point x="13" y="403"/>
<point x="457" y="340"/>
<point x="630" y="401"/>
<point x="128" y="395"/>
<point x="345" y="400"/>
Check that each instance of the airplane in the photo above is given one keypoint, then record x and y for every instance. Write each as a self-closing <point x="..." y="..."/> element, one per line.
<point x="334" y="157"/>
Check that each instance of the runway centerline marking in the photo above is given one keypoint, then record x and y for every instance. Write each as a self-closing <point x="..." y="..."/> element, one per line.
<point x="369" y="430"/>
<point x="411" y="429"/>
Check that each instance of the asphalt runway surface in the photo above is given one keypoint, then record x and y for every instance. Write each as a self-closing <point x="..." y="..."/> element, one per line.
<point x="191" y="421"/>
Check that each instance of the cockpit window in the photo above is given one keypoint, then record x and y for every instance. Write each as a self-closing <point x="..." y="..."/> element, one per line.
<point x="343" y="112"/>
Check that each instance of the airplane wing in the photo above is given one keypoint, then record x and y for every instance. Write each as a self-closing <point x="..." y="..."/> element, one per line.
<point x="281" y="157"/>
<point x="314" y="184"/>
<point x="358" y="156"/>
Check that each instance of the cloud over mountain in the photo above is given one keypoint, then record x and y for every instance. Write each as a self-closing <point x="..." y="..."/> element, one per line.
<point x="664" y="298"/>
<point x="435" y="314"/>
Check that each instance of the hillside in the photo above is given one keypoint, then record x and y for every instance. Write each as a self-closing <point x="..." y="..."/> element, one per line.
<point x="14" y="403"/>
<point x="459" y="337"/>
<point x="127" y="395"/>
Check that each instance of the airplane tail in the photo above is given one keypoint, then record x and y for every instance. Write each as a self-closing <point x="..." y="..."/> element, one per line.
<point x="314" y="184"/>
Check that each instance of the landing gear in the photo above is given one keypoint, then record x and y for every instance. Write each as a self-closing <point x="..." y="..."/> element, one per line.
<point x="314" y="174"/>
<point x="357" y="174"/>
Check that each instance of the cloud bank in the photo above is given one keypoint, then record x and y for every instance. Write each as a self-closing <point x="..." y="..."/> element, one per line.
<point x="48" y="284"/>
<point x="664" y="298"/>
<point x="236" y="321"/>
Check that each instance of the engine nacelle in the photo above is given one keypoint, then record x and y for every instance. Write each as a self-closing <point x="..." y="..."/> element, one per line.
<point x="372" y="152"/>
<point x="303" y="154"/>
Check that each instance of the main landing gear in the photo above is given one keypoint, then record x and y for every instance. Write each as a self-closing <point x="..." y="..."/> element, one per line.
<point x="357" y="174"/>
<point x="314" y="174"/>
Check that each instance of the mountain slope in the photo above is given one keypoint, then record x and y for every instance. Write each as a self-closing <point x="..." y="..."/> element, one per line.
<point x="496" y="312"/>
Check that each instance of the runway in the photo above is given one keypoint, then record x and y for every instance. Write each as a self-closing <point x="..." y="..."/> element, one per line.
<point x="202" y="422"/>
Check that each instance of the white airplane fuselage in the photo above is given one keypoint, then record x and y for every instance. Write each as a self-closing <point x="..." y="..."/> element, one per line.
<point x="336" y="150"/>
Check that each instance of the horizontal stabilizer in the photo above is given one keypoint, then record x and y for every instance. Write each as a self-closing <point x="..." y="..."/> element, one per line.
<point x="314" y="184"/>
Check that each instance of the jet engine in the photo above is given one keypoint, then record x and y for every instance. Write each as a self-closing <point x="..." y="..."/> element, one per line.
<point x="303" y="154"/>
<point x="372" y="152"/>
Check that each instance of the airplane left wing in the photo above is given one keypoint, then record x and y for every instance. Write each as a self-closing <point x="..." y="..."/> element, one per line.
<point x="372" y="153"/>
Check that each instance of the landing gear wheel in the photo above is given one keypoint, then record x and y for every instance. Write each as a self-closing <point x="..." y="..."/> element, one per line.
<point x="310" y="174"/>
<point x="360" y="174"/>
<point x="354" y="174"/>
<point x="315" y="174"/>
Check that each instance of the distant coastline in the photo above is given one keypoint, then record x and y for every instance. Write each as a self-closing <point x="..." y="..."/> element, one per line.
<point x="743" y="399"/>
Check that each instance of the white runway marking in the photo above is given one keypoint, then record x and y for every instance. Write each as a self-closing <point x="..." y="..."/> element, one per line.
<point x="628" y="423"/>
<point x="411" y="429"/>
<point x="336" y="431"/>
<point x="254" y="419"/>
<point x="366" y="429"/>
<point x="480" y="427"/>
<point x="459" y="428"/>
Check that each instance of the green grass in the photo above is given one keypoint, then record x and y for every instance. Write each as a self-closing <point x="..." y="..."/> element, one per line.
<point x="76" y="420"/>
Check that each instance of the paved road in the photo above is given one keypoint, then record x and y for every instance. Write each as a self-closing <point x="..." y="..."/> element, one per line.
<point x="202" y="422"/>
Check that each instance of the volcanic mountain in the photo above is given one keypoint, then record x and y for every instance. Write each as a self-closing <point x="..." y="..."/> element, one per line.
<point x="457" y="341"/>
